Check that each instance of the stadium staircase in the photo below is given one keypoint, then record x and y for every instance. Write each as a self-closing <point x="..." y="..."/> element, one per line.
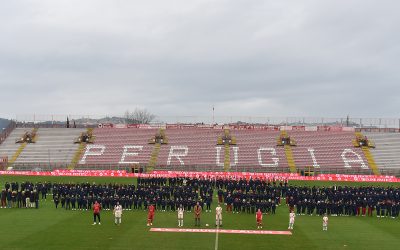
<point x="9" y="147"/>
<point x="154" y="155"/>
<point x="79" y="152"/>
<point x="369" y="156"/>
<point x="289" y="154"/>
<point x="21" y="147"/>
<point x="227" y="156"/>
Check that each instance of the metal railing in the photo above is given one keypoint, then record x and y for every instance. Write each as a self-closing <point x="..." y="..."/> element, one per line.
<point x="86" y="120"/>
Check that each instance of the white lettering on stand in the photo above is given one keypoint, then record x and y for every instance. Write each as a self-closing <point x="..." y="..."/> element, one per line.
<point x="126" y="153"/>
<point x="347" y="161"/>
<point x="274" y="159"/>
<point x="235" y="156"/>
<point x="218" y="160"/>
<point x="89" y="152"/>
<point x="182" y="152"/>
<point x="315" y="163"/>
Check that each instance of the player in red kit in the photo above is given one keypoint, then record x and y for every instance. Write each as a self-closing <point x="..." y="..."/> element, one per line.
<point x="197" y="214"/>
<point x="96" y="212"/>
<point x="150" y="215"/>
<point x="259" y="217"/>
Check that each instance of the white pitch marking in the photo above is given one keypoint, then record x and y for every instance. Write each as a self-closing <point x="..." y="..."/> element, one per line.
<point x="216" y="238"/>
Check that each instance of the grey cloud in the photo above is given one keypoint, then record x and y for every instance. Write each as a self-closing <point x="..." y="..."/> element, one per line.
<point x="272" y="58"/>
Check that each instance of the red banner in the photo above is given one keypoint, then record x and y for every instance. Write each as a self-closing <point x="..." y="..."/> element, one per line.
<point x="212" y="175"/>
<point x="281" y="176"/>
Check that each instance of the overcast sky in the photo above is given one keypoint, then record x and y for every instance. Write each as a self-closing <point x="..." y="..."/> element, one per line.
<point x="181" y="57"/>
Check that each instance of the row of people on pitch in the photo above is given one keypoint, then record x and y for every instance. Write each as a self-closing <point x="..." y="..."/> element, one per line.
<point x="117" y="211"/>
<point x="241" y="201"/>
<point x="86" y="189"/>
<point x="19" y="199"/>
<point x="336" y="201"/>
<point x="250" y="205"/>
<point x="348" y="208"/>
<point x="130" y="196"/>
<point x="292" y="217"/>
<point x="165" y="197"/>
<point x="127" y="203"/>
<point x="229" y="185"/>
<point x="195" y="183"/>
<point x="387" y="209"/>
<point x="197" y="215"/>
<point x="252" y="184"/>
<point x="169" y="187"/>
<point x="273" y="194"/>
<point x="143" y="192"/>
<point x="336" y="193"/>
<point x="178" y="181"/>
<point x="173" y="192"/>
<point x="42" y="188"/>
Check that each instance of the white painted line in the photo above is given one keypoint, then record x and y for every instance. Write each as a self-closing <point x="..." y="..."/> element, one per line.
<point x="216" y="238"/>
<point x="226" y="231"/>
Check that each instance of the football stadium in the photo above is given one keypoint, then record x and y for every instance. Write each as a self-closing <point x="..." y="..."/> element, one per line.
<point x="53" y="174"/>
<point x="198" y="124"/>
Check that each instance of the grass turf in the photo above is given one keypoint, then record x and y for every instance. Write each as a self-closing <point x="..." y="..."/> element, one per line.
<point x="50" y="228"/>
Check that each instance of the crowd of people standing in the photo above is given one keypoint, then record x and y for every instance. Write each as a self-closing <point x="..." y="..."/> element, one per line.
<point x="168" y="194"/>
<point x="344" y="201"/>
<point x="24" y="195"/>
<point x="239" y="196"/>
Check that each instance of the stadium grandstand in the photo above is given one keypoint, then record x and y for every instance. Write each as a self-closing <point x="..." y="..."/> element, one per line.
<point x="293" y="145"/>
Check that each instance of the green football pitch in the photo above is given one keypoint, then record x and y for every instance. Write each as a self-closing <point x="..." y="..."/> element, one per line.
<point x="51" y="228"/>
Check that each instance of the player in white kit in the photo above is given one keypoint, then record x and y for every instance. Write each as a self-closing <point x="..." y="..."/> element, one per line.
<point x="180" y="215"/>
<point x="118" y="214"/>
<point x="292" y="215"/>
<point x="325" y="223"/>
<point x="218" y="216"/>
